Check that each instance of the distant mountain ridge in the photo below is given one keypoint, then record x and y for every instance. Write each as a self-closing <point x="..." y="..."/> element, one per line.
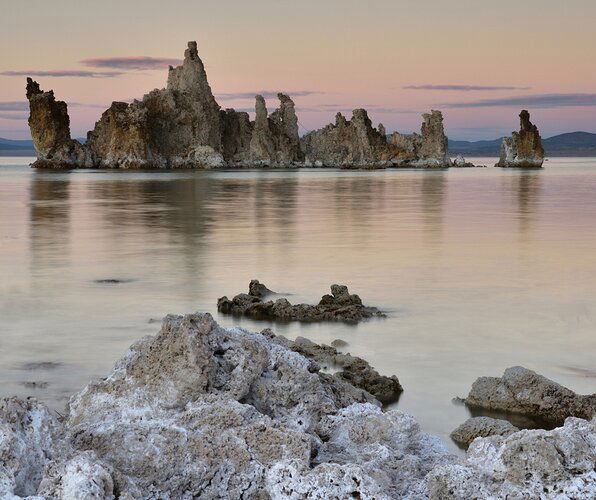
<point x="568" y="144"/>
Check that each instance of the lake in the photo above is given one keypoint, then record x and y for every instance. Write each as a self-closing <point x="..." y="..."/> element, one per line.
<point x="479" y="269"/>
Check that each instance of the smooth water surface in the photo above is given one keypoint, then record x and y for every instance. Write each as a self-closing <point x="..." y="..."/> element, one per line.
<point x="479" y="269"/>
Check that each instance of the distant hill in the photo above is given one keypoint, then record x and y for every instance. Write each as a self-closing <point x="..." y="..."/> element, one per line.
<point x="9" y="147"/>
<point x="569" y="144"/>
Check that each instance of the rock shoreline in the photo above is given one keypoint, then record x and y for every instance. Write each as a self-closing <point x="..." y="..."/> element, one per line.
<point x="204" y="411"/>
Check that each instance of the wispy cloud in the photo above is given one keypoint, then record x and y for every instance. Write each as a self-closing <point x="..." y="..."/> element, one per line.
<point x="464" y="88"/>
<point x="543" y="101"/>
<point x="12" y="116"/>
<point x="64" y="73"/>
<point x="131" y="62"/>
<point x="267" y="94"/>
<point x="24" y="105"/>
<point x="14" y="106"/>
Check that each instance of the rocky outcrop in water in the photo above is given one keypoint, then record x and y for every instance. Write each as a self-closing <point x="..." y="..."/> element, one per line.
<point x="425" y="150"/>
<point x="201" y="411"/>
<point x="356" y="144"/>
<point x="524" y="392"/>
<point x="183" y="126"/>
<point x="356" y="371"/>
<point x="339" y="306"/>
<point x="50" y="129"/>
<point x="524" y="148"/>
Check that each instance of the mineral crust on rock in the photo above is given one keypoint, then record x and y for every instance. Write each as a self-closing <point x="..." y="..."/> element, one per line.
<point x="481" y="427"/>
<point x="183" y="126"/>
<point x="524" y="148"/>
<point x="201" y="411"/>
<point x="339" y="306"/>
<point x="557" y="464"/>
<point x="524" y="392"/>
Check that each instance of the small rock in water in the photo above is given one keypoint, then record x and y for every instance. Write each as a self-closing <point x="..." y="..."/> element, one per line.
<point x="481" y="427"/>
<point x="522" y="391"/>
<point x="111" y="281"/>
<point x="339" y="306"/>
<point x="41" y="365"/>
<point x="257" y="289"/>
<point x="339" y="343"/>
<point x="35" y="385"/>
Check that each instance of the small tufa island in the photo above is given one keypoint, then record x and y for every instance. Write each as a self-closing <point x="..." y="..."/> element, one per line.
<point x="182" y="126"/>
<point x="341" y="305"/>
<point x="524" y="148"/>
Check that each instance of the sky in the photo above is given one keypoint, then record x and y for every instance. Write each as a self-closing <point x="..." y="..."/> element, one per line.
<point x="477" y="61"/>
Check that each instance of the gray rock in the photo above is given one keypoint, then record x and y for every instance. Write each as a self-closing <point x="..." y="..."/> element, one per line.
<point x="356" y="371"/>
<point x="524" y="148"/>
<point x="526" y="464"/>
<point x="339" y="306"/>
<point x="481" y="427"/>
<point x="524" y="392"/>
<point x="257" y="289"/>
<point x="30" y="437"/>
<point x="201" y="411"/>
<point x="339" y="343"/>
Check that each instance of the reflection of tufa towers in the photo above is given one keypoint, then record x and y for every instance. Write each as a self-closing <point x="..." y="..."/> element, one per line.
<point x="49" y="221"/>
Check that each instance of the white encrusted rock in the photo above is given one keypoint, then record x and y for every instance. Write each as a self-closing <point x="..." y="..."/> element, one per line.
<point x="527" y="464"/>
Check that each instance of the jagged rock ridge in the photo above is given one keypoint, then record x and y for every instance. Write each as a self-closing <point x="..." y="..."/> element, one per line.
<point x="524" y="148"/>
<point x="183" y="126"/>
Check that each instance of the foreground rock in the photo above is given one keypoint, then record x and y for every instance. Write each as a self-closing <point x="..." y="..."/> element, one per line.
<point x="339" y="306"/>
<point x="524" y="148"/>
<point x="481" y="427"/>
<point x="524" y="392"/>
<point x="526" y="464"/>
<point x="201" y="411"/>
<point x="183" y="126"/>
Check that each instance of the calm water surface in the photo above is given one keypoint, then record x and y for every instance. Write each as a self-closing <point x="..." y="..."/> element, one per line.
<point x="480" y="269"/>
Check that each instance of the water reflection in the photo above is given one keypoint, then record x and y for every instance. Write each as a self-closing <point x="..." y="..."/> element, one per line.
<point x="49" y="220"/>
<point x="529" y="192"/>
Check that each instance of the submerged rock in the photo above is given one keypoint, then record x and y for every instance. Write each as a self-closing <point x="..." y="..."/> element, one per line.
<point x="526" y="464"/>
<point x="183" y="126"/>
<point x="524" y="148"/>
<point x="481" y="427"/>
<point x="339" y="306"/>
<point x="522" y="391"/>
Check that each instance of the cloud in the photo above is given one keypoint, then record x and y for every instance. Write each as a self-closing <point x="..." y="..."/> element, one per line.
<point x="542" y="101"/>
<point x="464" y="88"/>
<point x="14" y="106"/>
<point x="132" y="62"/>
<point x="12" y="116"/>
<point x="267" y="94"/>
<point x="64" y="73"/>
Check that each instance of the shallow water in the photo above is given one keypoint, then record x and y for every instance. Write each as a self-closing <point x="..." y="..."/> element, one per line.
<point x="480" y="269"/>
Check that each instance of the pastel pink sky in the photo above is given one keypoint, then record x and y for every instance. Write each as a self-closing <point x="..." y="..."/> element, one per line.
<point x="332" y="54"/>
